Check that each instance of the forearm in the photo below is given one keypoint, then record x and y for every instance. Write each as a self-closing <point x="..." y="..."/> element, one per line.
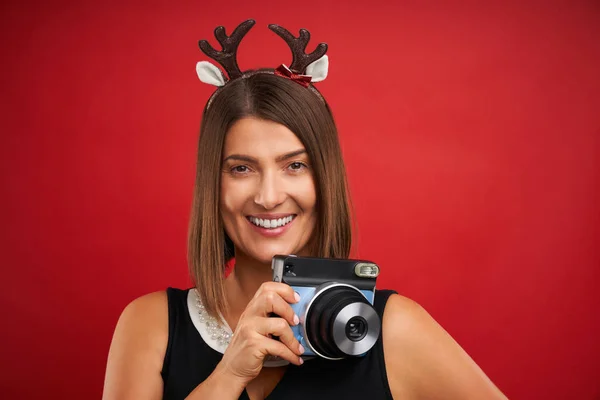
<point x="219" y="385"/>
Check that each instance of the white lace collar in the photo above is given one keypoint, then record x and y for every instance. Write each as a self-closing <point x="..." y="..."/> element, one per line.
<point x="218" y="345"/>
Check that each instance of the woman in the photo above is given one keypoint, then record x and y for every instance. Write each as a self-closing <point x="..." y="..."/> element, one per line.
<point x="271" y="180"/>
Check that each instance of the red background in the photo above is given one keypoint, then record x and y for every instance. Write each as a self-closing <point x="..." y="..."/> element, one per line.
<point x="471" y="133"/>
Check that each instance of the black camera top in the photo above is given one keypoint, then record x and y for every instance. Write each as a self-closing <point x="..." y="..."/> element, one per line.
<point x="313" y="271"/>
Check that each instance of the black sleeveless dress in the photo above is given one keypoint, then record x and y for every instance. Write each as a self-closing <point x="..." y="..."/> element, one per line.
<point x="189" y="361"/>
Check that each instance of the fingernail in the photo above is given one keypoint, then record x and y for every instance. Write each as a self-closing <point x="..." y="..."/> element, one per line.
<point x="296" y="320"/>
<point x="301" y="360"/>
<point x="297" y="296"/>
<point x="301" y="349"/>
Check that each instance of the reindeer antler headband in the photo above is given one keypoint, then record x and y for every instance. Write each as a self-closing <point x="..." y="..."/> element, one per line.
<point x="304" y="69"/>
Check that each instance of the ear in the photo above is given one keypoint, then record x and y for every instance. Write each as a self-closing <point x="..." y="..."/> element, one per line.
<point x="318" y="69"/>
<point x="209" y="73"/>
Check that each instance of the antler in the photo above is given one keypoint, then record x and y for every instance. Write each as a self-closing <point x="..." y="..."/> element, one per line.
<point x="228" y="57"/>
<point x="300" y="59"/>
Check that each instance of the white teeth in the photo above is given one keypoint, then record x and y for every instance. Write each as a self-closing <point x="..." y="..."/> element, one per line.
<point x="271" y="223"/>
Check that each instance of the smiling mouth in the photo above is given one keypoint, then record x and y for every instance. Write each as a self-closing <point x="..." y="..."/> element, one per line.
<point x="271" y="223"/>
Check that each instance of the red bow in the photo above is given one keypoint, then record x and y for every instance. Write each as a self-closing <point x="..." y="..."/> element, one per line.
<point x="285" y="72"/>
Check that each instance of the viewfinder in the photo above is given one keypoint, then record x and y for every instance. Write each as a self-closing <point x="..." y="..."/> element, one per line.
<point x="366" y="270"/>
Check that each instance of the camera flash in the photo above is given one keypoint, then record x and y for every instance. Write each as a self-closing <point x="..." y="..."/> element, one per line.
<point x="366" y="270"/>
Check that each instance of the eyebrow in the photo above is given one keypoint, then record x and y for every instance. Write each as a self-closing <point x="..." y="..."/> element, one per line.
<point x="242" y="157"/>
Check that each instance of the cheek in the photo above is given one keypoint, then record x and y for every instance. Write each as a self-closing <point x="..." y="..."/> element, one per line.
<point x="234" y="196"/>
<point x="230" y="199"/>
<point x="306" y="195"/>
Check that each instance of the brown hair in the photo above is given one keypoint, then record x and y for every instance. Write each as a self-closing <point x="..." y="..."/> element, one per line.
<point x="303" y="111"/>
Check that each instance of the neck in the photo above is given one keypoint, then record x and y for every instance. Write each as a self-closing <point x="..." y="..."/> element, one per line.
<point x="241" y="285"/>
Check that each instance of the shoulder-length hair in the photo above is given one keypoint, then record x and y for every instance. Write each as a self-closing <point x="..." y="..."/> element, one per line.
<point x="306" y="113"/>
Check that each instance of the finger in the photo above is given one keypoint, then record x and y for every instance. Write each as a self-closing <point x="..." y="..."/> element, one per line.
<point x="284" y="290"/>
<point x="272" y="303"/>
<point x="279" y="349"/>
<point x="279" y="327"/>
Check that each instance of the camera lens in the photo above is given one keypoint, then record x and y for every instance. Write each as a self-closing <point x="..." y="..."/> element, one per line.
<point x="356" y="329"/>
<point x="341" y="322"/>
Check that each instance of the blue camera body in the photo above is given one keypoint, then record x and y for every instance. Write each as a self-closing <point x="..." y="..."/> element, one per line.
<point x="306" y="294"/>
<point x="337" y="318"/>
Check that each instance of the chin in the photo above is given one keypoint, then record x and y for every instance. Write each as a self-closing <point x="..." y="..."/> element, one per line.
<point x="266" y="255"/>
<point x="265" y="259"/>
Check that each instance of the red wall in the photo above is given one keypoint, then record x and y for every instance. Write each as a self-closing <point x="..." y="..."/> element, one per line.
<point x="471" y="133"/>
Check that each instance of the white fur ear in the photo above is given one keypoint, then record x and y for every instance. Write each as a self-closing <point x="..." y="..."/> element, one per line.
<point x="209" y="73"/>
<point x="318" y="69"/>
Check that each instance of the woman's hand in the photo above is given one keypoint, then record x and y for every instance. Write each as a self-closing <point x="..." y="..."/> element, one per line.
<point x="252" y="340"/>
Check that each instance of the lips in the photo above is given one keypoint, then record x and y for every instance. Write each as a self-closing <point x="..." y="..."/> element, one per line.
<point x="271" y="222"/>
<point x="271" y="225"/>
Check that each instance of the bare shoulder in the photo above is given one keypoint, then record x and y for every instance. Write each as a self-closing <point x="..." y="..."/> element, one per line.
<point x="423" y="361"/>
<point x="151" y="309"/>
<point x="137" y="349"/>
<point x="145" y="321"/>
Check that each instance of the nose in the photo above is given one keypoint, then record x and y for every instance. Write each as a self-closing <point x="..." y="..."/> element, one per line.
<point x="270" y="192"/>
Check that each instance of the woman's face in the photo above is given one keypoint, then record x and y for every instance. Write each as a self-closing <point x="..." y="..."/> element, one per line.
<point x="267" y="190"/>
